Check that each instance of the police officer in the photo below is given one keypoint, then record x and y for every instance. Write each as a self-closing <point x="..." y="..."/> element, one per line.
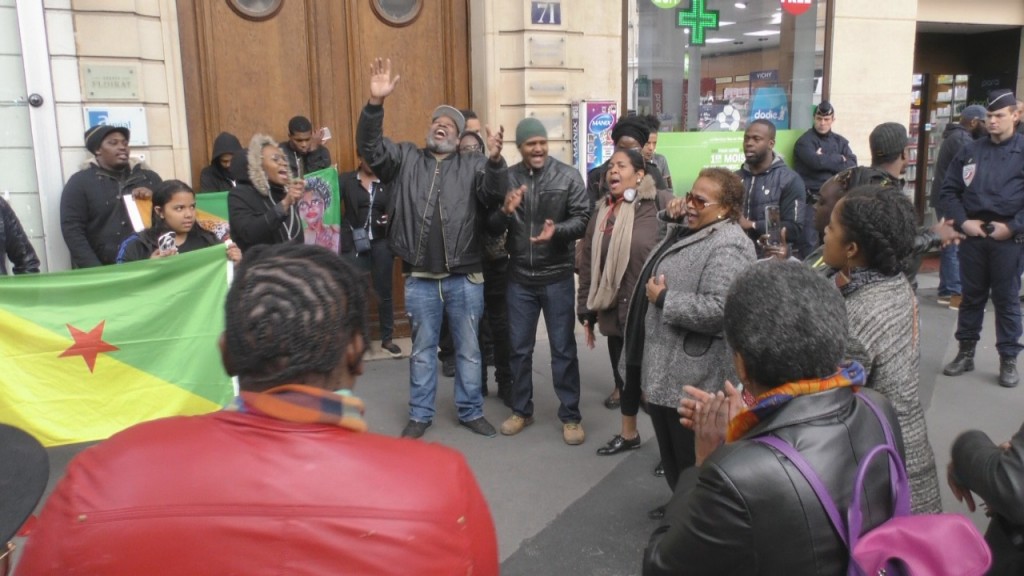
<point x="983" y="193"/>
<point x="818" y="155"/>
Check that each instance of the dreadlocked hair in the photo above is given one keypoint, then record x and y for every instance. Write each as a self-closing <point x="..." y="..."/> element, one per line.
<point x="882" y="222"/>
<point x="291" y="312"/>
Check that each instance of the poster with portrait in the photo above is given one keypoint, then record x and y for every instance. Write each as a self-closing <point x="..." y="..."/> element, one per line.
<point x="320" y="209"/>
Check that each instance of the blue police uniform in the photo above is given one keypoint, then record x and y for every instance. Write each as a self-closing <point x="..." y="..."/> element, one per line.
<point x="986" y="182"/>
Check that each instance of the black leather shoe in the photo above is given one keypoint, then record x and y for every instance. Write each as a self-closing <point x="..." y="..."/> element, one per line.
<point x="612" y="402"/>
<point x="657" y="514"/>
<point x="1008" y="377"/>
<point x="659" y="470"/>
<point x="415" y="429"/>
<point x="448" y="367"/>
<point x="480" y="426"/>
<point x="619" y="444"/>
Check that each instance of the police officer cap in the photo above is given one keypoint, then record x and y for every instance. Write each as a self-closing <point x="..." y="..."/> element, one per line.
<point x="824" y="109"/>
<point x="999" y="99"/>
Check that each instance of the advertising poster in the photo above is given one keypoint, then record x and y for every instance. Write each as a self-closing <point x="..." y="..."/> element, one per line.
<point x="595" y="126"/>
<point x="688" y="152"/>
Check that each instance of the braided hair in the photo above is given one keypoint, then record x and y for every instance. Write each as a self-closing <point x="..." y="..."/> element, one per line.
<point x="882" y="223"/>
<point x="291" y="312"/>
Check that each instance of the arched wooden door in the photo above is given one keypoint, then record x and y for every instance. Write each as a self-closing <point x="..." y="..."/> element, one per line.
<point x="245" y="74"/>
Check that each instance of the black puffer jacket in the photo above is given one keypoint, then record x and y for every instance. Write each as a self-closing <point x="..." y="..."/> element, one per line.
<point x="555" y="192"/>
<point x="254" y="204"/>
<point x="462" y="186"/>
<point x="15" y="244"/>
<point x="748" y="510"/>
<point x="93" y="217"/>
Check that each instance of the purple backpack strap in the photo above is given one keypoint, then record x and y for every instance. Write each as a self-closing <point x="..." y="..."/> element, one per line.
<point x="896" y="467"/>
<point x="813" y="479"/>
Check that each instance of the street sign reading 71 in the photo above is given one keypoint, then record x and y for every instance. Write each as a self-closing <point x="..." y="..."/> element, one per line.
<point x="697" y="18"/>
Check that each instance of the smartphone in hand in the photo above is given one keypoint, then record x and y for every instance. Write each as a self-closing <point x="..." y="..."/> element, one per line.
<point x="166" y="241"/>
<point x="773" y="225"/>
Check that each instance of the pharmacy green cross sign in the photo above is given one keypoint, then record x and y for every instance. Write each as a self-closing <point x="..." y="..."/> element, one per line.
<point x="697" y="19"/>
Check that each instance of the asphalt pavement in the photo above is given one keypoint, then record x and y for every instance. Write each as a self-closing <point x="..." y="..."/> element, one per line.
<point x="564" y="510"/>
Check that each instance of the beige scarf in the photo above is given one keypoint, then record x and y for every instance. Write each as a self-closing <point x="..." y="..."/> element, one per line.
<point x="605" y="280"/>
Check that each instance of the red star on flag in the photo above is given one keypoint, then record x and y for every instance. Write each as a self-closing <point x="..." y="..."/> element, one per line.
<point x="88" y="345"/>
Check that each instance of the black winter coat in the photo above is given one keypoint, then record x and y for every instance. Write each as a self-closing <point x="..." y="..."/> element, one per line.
<point x="778" y="186"/>
<point x="748" y="510"/>
<point x="15" y="244"/>
<point x="254" y="204"/>
<point x="93" y="217"/>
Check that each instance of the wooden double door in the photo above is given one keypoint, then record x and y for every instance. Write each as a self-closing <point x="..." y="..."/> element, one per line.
<point x="312" y="57"/>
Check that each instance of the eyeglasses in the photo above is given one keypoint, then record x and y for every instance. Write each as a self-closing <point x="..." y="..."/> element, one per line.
<point x="698" y="202"/>
<point x="470" y="148"/>
<point x="278" y="158"/>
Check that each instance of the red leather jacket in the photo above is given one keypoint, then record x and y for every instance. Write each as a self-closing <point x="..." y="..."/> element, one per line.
<point x="241" y="493"/>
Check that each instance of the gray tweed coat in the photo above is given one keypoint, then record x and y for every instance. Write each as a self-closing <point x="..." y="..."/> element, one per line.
<point x="684" y="341"/>
<point x="884" y="337"/>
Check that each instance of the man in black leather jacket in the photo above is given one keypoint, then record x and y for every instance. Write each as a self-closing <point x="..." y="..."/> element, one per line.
<point x="996" y="474"/>
<point x="439" y="199"/>
<point x="545" y="214"/>
<point x="14" y="243"/>
<point x="745" y="508"/>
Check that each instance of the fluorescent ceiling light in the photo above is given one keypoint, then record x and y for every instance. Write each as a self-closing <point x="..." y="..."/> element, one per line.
<point x="725" y="23"/>
<point x="777" y="18"/>
<point x="740" y="5"/>
<point x="718" y="40"/>
<point x="762" y="33"/>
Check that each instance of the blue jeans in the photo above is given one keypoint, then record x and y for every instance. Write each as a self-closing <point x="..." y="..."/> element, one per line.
<point x="426" y="302"/>
<point x="949" y="271"/>
<point x="558" y="302"/>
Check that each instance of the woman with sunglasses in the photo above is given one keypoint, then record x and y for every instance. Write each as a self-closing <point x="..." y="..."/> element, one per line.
<point x="674" y="326"/>
<point x="619" y="237"/>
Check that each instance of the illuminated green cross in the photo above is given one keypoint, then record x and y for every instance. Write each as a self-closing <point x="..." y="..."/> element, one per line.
<point x="697" y="19"/>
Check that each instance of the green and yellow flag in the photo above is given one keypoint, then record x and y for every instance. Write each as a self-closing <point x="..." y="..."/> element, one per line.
<point x="87" y="353"/>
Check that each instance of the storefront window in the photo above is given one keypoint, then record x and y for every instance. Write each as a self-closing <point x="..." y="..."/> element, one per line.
<point x="762" y="61"/>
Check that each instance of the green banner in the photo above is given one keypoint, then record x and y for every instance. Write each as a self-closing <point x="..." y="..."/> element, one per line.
<point x="688" y="152"/>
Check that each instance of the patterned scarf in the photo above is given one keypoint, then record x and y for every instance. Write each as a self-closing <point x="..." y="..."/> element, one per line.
<point x="304" y="404"/>
<point x="857" y="279"/>
<point x="850" y="374"/>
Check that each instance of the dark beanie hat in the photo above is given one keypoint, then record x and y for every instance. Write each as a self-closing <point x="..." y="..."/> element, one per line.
<point x="94" y="136"/>
<point x="529" y="128"/>
<point x="634" y="127"/>
<point x="299" y="124"/>
<point x="887" y="139"/>
<point x="999" y="99"/>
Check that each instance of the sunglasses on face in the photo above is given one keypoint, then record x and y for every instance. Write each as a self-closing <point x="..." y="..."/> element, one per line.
<point x="470" y="148"/>
<point x="698" y="202"/>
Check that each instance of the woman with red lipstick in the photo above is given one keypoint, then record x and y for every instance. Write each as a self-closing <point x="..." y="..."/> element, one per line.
<point x="174" y="217"/>
<point x="315" y="201"/>
<point x="674" y="326"/>
<point x="619" y="237"/>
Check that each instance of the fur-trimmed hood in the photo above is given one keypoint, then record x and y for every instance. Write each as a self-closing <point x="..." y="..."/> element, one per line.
<point x="248" y="167"/>
<point x="132" y="163"/>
